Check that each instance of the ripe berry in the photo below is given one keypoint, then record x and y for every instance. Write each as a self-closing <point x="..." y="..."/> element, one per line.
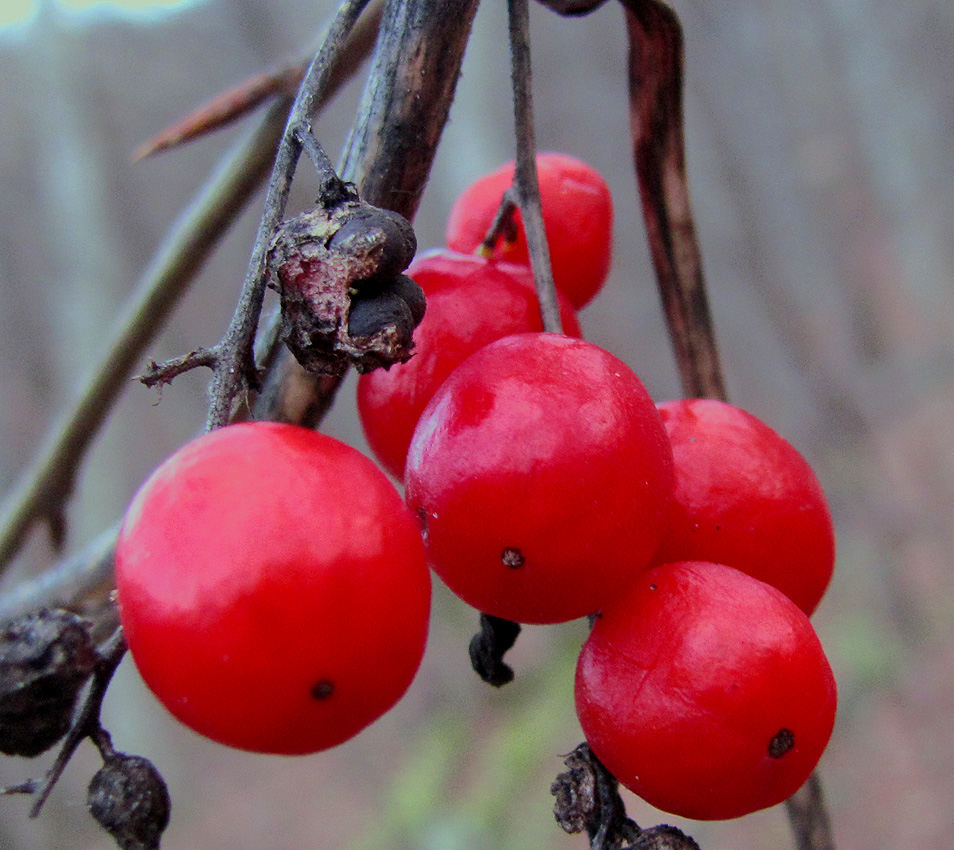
<point x="745" y="497"/>
<point x="471" y="301"/>
<point x="542" y="476"/>
<point x="273" y="588"/>
<point x="577" y="217"/>
<point x="705" y="691"/>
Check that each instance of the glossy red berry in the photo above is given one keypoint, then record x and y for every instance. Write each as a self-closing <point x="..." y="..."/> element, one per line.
<point x="273" y="588"/>
<point x="471" y="301"/>
<point x="745" y="497"/>
<point x="577" y="217"/>
<point x="705" y="691"/>
<point x="542" y="475"/>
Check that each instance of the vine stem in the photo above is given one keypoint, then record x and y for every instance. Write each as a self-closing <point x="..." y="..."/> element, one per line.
<point x="235" y="368"/>
<point x="526" y="183"/>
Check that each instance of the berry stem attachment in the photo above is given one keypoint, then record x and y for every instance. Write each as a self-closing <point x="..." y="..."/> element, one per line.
<point x="332" y="189"/>
<point x="503" y="226"/>
<point x="526" y="185"/>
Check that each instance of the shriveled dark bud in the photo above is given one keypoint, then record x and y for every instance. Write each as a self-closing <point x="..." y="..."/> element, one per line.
<point x="664" y="838"/>
<point x="45" y="659"/>
<point x="377" y="233"/>
<point x="324" y="259"/>
<point x="129" y="799"/>
<point x="373" y="315"/>
<point x="413" y="296"/>
<point x="572" y="8"/>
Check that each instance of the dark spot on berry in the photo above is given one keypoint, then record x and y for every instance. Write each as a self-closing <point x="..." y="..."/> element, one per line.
<point x="323" y="689"/>
<point x="422" y="519"/>
<point x="781" y="743"/>
<point x="718" y="528"/>
<point x="512" y="558"/>
<point x="652" y="587"/>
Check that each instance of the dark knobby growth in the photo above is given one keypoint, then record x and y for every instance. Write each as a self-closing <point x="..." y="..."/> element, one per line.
<point x="129" y="799"/>
<point x="45" y="659"/>
<point x="587" y="798"/>
<point x="338" y="270"/>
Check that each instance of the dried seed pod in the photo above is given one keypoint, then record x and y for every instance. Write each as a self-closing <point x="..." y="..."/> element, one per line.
<point x="321" y="260"/>
<point x="45" y="659"/>
<point x="129" y="799"/>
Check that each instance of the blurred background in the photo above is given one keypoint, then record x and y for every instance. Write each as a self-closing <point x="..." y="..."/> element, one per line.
<point x="821" y="155"/>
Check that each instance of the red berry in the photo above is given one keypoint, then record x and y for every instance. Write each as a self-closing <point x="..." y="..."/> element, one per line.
<point x="705" y="691"/>
<point x="577" y="217"/>
<point x="542" y="475"/>
<point x="745" y="497"/>
<point x="273" y="588"/>
<point x="471" y="301"/>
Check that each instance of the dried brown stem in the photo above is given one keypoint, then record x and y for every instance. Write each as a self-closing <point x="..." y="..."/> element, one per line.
<point x="655" y="83"/>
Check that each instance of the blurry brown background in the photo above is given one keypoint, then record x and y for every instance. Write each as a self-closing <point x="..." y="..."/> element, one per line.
<point x="821" y="147"/>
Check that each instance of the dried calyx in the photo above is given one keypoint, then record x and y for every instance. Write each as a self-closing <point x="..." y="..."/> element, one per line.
<point x="344" y="298"/>
<point x="45" y="659"/>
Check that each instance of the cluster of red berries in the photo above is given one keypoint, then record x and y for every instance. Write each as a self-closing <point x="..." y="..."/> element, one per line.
<point x="274" y="587"/>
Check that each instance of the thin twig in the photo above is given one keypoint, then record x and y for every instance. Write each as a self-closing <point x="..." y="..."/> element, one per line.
<point x="526" y="182"/>
<point x="237" y="101"/>
<point x="235" y="367"/>
<point x="48" y="481"/>
<point x="87" y="720"/>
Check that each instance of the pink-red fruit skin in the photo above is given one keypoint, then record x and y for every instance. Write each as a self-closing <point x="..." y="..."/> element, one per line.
<point x="471" y="301"/>
<point x="745" y="497"/>
<point x="577" y="217"/>
<point x="542" y="476"/>
<point x="705" y="691"/>
<point x="273" y="588"/>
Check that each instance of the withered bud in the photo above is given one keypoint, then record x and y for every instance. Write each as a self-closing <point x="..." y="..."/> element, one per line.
<point x="45" y="659"/>
<point x="326" y="264"/>
<point x="382" y="325"/>
<point x="575" y="791"/>
<point x="413" y="296"/>
<point x="129" y="799"/>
